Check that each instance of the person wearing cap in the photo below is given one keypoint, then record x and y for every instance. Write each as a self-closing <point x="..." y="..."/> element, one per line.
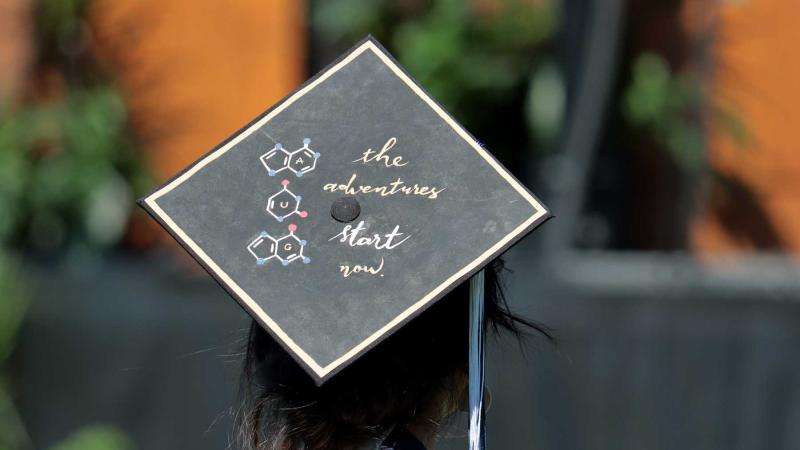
<point x="398" y="396"/>
<point x="360" y="226"/>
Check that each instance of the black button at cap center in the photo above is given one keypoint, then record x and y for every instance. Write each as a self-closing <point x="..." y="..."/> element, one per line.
<point x="345" y="209"/>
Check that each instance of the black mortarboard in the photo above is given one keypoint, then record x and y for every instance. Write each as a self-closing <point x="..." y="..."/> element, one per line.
<point x="345" y="210"/>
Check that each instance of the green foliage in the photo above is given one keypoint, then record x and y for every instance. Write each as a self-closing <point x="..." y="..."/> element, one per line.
<point x="12" y="307"/>
<point x="457" y="54"/>
<point x="96" y="438"/>
<point x="546" y="102"/>
<point x="68" y="169"/>
<point x="471" y="60"/>
<point x="60" y="30"/>
<point x="65" y="170"/>
<point x="666" y="105"/>
<point x="339" y="18"/>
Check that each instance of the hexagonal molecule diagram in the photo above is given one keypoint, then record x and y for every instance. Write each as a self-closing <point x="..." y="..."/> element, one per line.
<point x="286" y="249"/>
<point x="285" y="203"/>
<point x="300" y="161"/>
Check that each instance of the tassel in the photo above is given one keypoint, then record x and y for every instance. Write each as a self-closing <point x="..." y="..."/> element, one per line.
<point x="476" y="364"/>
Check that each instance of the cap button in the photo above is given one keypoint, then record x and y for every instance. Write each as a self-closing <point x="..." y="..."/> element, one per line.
<point x="345" y="209"/>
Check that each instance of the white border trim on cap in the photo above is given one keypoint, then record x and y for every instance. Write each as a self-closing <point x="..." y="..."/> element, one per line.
<point x="321" y="371"/>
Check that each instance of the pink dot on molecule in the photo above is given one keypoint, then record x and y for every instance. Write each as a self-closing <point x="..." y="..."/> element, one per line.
<point x="285" y="182"/>
<point x="292" y="227"/>
<point x="303" y="214"/>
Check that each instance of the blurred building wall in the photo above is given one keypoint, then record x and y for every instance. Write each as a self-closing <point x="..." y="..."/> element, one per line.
<point x="195" y="72"/>
<point x="15" y="45"/>
<point x="756" y="77"/>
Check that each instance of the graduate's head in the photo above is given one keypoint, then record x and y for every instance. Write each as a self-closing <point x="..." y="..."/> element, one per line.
<point x="418" y="374"/>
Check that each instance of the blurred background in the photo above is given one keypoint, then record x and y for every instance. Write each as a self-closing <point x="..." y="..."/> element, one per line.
<point x="661" y="133"/>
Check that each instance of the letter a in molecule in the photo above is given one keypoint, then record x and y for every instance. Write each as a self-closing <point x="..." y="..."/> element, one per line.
<point x="300" y="161"/>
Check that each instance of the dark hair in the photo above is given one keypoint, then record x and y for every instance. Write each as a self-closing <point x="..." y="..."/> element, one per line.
<point x="283" y="409"/>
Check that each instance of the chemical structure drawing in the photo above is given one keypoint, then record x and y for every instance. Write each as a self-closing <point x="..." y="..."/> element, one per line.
<point x="285" y="203"/>
<point x="286" y="249"/>
<point x="300" y="161"/>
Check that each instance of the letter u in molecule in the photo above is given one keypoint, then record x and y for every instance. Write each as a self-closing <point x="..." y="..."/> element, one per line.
<point x="285" y="203"/>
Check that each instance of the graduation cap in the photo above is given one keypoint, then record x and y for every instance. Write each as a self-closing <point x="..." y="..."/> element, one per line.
<point x="345" y="210"/>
